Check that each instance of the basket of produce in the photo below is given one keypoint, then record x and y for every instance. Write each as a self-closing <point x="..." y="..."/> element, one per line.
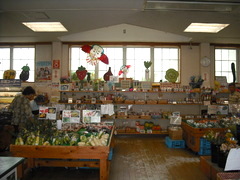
<point x="140" y="102"/>
<point x="129" y="101"/>
<point x="152" y="101"/>
<point x="107" y="101"/>
<point x="132" y="116"/>
<point x="162" y="101"/>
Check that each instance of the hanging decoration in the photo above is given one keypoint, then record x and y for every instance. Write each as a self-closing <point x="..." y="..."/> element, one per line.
<point x="95" y="54"/>
<point x="124" y="70"/>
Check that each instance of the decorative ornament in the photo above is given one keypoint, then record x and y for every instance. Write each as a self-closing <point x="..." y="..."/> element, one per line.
<point x="147" y="65"/>
<point x="171" y="75"/>
<point x="107" y="75"/>
<point x="25" y="73"/>
<point x="81" y="74"/>
<point x="95" y="53"/>
<point x="9" y="74"/>
<point x="124" y="70"/>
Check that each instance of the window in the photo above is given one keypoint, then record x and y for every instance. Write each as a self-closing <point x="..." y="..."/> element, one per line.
<point x="4" y="60"/>
<point x="164" y="59"/>
<point x="136" y="58"/>
<point x="17" y="57"/>
<point x="223" y="60"/>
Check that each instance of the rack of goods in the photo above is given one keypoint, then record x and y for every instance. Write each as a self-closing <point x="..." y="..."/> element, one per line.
<point x="87" y="146"/>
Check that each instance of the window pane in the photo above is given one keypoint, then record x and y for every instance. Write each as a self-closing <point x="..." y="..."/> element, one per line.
<point x="22" y="57"/>
<point x="164" y="59"/>
<point x="4" y="60"/>
<point x="223" y="60"/>
<point x="136" y="58"/>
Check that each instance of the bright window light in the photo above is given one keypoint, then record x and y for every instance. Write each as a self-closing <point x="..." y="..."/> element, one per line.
<point x="45" y="26"/>
<point x="205" y="27"/>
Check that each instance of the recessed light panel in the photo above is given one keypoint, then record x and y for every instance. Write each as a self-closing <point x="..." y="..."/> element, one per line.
<point x="205" y="27"/>
<point x="45" y="26"/>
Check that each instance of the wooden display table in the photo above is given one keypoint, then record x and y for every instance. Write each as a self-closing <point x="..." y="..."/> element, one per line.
<point x="192" y="135"/>
<point x="208" y="168"/>
<point x="66" y="156"/>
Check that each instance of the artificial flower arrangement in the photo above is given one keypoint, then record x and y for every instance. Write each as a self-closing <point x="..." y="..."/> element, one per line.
<point x="229" y="143"/>
<point x="225" y="139"/>
<point x="195" y="82"/>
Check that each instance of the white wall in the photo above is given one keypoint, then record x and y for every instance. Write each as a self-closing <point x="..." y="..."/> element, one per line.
<point x="189" y="64"/>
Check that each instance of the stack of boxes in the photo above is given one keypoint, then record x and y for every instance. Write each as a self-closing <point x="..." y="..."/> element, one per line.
<point x="175" y="139"/>
<point x="205" y="147"/>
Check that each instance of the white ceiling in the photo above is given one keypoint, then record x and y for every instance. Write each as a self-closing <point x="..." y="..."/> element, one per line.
<point x="87" y="15"/>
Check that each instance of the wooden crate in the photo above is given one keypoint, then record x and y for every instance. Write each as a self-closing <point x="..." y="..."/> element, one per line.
<point x="133" y="116"/>
<point x="58" y="156"/>
<point x="152" y="102"/>
<point x="192" y="135"/>
<point x="129" y="101"/>
<point x="175" y="134"/>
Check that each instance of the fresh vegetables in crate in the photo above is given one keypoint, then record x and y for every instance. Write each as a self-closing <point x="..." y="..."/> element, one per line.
<point x="45" y="133"/>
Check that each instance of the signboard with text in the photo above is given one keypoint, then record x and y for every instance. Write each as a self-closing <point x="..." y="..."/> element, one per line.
<point x="10" y="83"/>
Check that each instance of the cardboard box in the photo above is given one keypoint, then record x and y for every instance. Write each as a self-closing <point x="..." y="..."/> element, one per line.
<point x="175" y="133"/>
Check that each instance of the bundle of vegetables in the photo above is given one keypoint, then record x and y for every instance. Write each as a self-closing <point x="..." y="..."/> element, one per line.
<point x="99" y="139"/>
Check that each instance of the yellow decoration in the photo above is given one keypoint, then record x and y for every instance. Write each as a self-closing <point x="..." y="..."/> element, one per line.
<point x="9" y="74"/>
<point x="217" y="85"/>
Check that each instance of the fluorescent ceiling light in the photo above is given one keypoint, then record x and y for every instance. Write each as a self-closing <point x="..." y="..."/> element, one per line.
<point x="205" y="27"/>
<point x="45" y="26"/>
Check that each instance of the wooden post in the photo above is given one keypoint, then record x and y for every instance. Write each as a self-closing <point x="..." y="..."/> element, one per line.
<point x="103" y="169"/>
<point x="20" y="171"/>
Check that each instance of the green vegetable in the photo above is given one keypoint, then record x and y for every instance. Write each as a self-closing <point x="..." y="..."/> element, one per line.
<point x="171" y="75"/>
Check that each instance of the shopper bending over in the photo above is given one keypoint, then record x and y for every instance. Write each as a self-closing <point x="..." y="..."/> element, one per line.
<point x="21" y="108"/>
<point x="38" y="101"/>
<point x="234" y="96"/>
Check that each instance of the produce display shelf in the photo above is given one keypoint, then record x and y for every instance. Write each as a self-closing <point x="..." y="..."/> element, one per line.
<point x="126" y="91"/>
<point x="192" y="135"/>
<point x="134" y="133"/>
<point x="187" y="104"/>
<point x="67" y="156"/>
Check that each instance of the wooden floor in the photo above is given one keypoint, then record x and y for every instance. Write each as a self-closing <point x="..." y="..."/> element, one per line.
<point x="135" y="158"/>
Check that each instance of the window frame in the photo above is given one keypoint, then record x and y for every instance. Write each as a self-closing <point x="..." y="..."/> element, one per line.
<point x="125" y="46"/>
<point x="237" y="68"/>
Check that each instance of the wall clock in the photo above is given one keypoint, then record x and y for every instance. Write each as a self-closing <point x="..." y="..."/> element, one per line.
<point x="205" y="61"/>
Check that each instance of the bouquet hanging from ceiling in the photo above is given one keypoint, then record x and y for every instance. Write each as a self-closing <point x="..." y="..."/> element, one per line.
<point x="95" y="54"/>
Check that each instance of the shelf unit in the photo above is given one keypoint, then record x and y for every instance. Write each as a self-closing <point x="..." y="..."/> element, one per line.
<point x="175" y="105"/>
<point x="7" y="95"/>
